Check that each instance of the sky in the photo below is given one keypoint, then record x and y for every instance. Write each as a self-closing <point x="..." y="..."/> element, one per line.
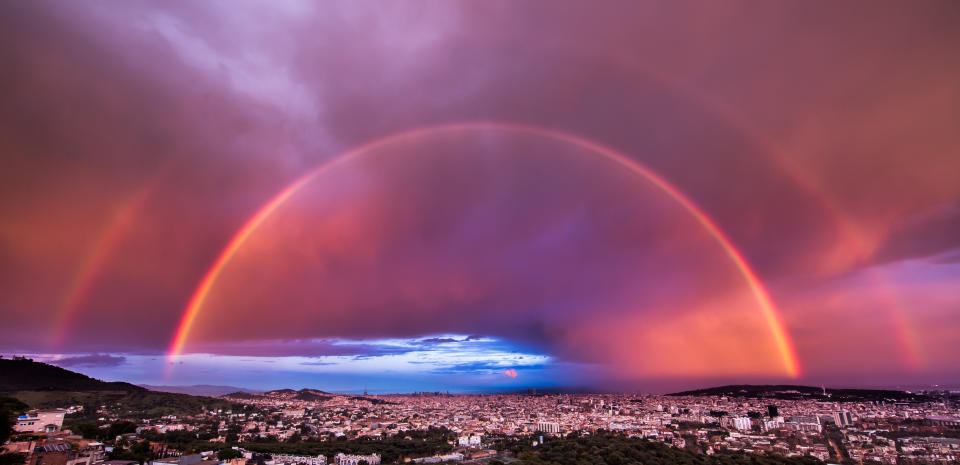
<point x="482" y="196"/>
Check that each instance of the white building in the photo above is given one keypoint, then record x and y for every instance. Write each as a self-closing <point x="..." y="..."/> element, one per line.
<point x="469" y="441"/>
<point x="300" y="459"/>
<point x="774" y="423"/>
<point x="742" y="423"/>
<point x="344" y="459"/>
<point x="548" y="427"/>
<point x="810" y="424"/>
<point x="454" y="457"/>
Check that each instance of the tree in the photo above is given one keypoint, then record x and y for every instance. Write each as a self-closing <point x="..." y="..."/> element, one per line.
<point x="138" y="452"/>
<point x="120" y="427"/>
<point x="12" y="458"/>
<point x="9" y="409"/>
<point x="228" y="454"/>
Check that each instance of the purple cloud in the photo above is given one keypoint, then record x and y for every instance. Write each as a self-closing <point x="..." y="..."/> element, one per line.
<point x="92" y="360"/>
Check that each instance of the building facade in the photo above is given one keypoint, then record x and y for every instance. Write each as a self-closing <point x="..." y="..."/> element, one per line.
<point x="40" y="421"/>
<point x="344" y="459"/>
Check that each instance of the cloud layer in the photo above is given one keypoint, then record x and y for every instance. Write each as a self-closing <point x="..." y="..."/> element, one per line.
<point x="136" y="139"/>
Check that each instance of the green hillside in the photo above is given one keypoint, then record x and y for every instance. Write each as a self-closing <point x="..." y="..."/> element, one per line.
<point x="40" y="385"/>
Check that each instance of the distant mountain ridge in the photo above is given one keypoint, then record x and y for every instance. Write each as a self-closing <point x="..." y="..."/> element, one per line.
<point x="797" y="392"/>
<point x="306" y="395"/>
<point x="211" y="390"/>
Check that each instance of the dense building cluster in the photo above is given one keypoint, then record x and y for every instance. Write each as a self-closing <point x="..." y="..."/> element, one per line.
<point x="884" y="432"/>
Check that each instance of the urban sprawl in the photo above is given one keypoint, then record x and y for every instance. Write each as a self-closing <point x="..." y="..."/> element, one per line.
<point x="884" y="432"/>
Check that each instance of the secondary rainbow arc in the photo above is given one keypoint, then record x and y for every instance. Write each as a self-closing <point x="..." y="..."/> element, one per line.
<point x="853" y="234"/>
<point x="769" y="310"/>
<point x="97" y="259"/>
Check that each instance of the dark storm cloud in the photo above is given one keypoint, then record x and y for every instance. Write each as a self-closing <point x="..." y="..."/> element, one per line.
<point x="92" y="360"/>
<point x="301" y="348"/>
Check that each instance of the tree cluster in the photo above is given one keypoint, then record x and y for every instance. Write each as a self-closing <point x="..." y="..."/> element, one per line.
<point x="605" y="448"/>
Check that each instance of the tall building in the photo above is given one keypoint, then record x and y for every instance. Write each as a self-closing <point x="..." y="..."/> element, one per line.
<point x="843" y="418"/>
<point x="742" y="423"/>
<point x="772" y="424"/>
<point x="773" y="411"/>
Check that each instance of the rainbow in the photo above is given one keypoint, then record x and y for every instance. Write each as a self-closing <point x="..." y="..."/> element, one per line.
<point x="96" y="259"/>
<point x="854" y="236"/>
<point x="769" y="310"/>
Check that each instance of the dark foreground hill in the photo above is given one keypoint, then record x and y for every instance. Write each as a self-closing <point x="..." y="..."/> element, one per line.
<point x="41" y="385"/>
<point x="793" y="392"/>
<point x="27" y="375"/>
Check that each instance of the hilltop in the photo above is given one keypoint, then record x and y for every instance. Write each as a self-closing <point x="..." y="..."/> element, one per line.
<point x="305" y="395"/>
<point x="308" y="395"/>
<point x="27" y="375"/>
<point x="796" y="392"/>
<point x="209" y="390"/>
<point x="42" y="385"/>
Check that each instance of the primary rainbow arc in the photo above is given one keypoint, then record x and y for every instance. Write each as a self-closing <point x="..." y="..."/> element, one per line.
<point x="768" y="308"/>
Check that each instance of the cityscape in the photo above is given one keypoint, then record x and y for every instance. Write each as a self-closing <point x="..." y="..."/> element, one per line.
<point x="527" y="232"/>
<point x="307" y="426"/>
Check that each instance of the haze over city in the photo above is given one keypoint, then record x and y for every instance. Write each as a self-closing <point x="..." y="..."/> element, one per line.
<point x="482" y="196"/>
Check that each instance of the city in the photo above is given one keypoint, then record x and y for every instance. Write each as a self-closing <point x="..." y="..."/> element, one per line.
<point x="316" y="428"/>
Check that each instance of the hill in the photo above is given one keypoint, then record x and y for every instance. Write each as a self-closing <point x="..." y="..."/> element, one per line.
<point x="305" y="395"/>
<point x="27" y="375"/>
<point x="40" y="385"/>
<point x="312" y="396"/>
<point x="281" y="392"/>
<point x="198" y="389"/>
<point x="795" y="392"/>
